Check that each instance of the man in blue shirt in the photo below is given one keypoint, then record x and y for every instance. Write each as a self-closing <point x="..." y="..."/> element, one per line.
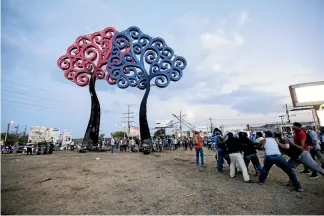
<point x="220" y="152"/>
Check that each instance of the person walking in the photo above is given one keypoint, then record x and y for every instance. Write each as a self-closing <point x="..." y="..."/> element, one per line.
<point x="199" y="149"/>
<point x="236" y="158"/>
<point x="273" y="156"/>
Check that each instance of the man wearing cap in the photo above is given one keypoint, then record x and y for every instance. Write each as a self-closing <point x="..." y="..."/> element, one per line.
<point x="273" y="156"/>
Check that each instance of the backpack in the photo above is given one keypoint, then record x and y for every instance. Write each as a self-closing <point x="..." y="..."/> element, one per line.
<point x="195" y="140"/>
<point x="220" y="142"/>
<point x="308" y="141"/>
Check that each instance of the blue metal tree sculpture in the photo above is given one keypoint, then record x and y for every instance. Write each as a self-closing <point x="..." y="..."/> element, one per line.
<point x="137" y="59"/>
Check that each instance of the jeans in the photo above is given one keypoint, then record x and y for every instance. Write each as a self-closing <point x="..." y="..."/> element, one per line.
<point x="278" y="160"/>
<point x="306" y="159"/>
<point x="199" y="151"/>
<point x="220" y="158"/>
<point x="255" y="161"/>
<point x="112" y="148"/>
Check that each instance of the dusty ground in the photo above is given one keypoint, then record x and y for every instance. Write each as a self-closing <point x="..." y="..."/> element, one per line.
<point x="131" y="183"/>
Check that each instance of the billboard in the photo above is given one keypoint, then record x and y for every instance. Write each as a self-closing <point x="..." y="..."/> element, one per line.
<point x="307" y="94"/>
<point x="164" y="124"/>
<point x="134" y="132"/>
<point x="37" y="134"/>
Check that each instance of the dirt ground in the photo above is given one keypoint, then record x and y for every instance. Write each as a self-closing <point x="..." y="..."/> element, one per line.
<point x="133" y="183"/>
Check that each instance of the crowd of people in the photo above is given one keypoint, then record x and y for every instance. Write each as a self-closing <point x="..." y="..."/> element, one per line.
<point x="238" y="150"/>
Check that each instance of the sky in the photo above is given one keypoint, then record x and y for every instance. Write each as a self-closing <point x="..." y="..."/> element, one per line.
<point x="242" y="56"/>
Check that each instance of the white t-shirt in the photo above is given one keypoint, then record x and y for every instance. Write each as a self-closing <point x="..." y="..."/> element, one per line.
<point x="271" y="147"/>
<point x="132" y="142"/>
<point x="112" y="141"/>
<point x="175" y="141"/>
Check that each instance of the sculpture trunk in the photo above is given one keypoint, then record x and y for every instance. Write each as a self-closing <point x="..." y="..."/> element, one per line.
<point x="144" y="127"/>
<point x="92" y="133"/>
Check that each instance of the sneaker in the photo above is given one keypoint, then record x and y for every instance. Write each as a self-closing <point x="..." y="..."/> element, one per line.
<point x="204" y="166"/>
<point x="305" y="172"/>
<point x="249" y="181"/>
<point x="300" y="189"/>
<point x="314" y="176"/>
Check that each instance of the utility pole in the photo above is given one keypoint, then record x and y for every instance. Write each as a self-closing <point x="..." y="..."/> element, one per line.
<point x="129" y="117"/>
<point x="211" y="125"/>
<point x="25" y="133"/>
<point x="282" y="123"/>
<point x="180" y="118"/>
<point x="287" y="112"/>
<point x="17" y="128"/>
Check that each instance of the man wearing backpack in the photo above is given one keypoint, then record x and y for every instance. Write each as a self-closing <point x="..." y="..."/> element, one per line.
<point x="220" y="147"/>
<point x="315" y="148"/>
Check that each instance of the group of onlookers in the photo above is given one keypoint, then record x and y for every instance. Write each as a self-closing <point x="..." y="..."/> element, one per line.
<point x="238" y="150"/>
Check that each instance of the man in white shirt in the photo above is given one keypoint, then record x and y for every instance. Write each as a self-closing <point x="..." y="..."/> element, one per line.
<point x="132" y="144"/>
<point x="273" y="156"/>
<point x="175" y="143"/>
<point x="112" y="144"/>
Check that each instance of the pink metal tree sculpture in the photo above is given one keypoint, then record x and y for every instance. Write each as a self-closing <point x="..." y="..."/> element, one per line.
<point x="84" y="62"/>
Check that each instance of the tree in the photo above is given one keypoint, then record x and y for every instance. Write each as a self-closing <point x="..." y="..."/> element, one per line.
<point x="12" y="139"/>
<point x="118" y="134"/>
<point x="101" y="136"/>
<point x="136" y="60"/>
<point x="159" y="133"/>
<point x="83" y="63"/>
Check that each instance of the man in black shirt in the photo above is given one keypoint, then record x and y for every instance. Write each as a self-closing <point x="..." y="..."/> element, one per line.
<point x="234" y="151"/>
<point x="297" y="155"/>
<point x="250" y="153"/>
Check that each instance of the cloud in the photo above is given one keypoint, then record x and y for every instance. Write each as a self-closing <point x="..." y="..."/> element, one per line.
<point x="243" y="18"/>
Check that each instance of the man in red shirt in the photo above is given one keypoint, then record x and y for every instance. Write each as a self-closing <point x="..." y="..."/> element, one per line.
<point x="300" y="139"/>
<point x="199" y="149"/>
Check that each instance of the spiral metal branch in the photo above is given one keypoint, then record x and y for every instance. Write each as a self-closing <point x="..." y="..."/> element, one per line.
<point x="87" y="57"/>
<point x="137" y="58"/>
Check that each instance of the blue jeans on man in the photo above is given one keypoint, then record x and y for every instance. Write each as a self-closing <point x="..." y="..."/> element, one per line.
<point x="255" y="161"/>
<point x="278" y="160"/>
<point x="199" y="152"/>
<point x="220" y="159"/>
<point x="112" y="148"/>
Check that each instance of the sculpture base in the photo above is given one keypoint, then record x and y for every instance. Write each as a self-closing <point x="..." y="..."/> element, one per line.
<point x="147" y="146"/>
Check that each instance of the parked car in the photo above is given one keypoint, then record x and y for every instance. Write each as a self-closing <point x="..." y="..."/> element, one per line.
<point x="21" y="149"/>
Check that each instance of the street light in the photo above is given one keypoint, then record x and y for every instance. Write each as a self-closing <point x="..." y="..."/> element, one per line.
<point x="8" y="128"/>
